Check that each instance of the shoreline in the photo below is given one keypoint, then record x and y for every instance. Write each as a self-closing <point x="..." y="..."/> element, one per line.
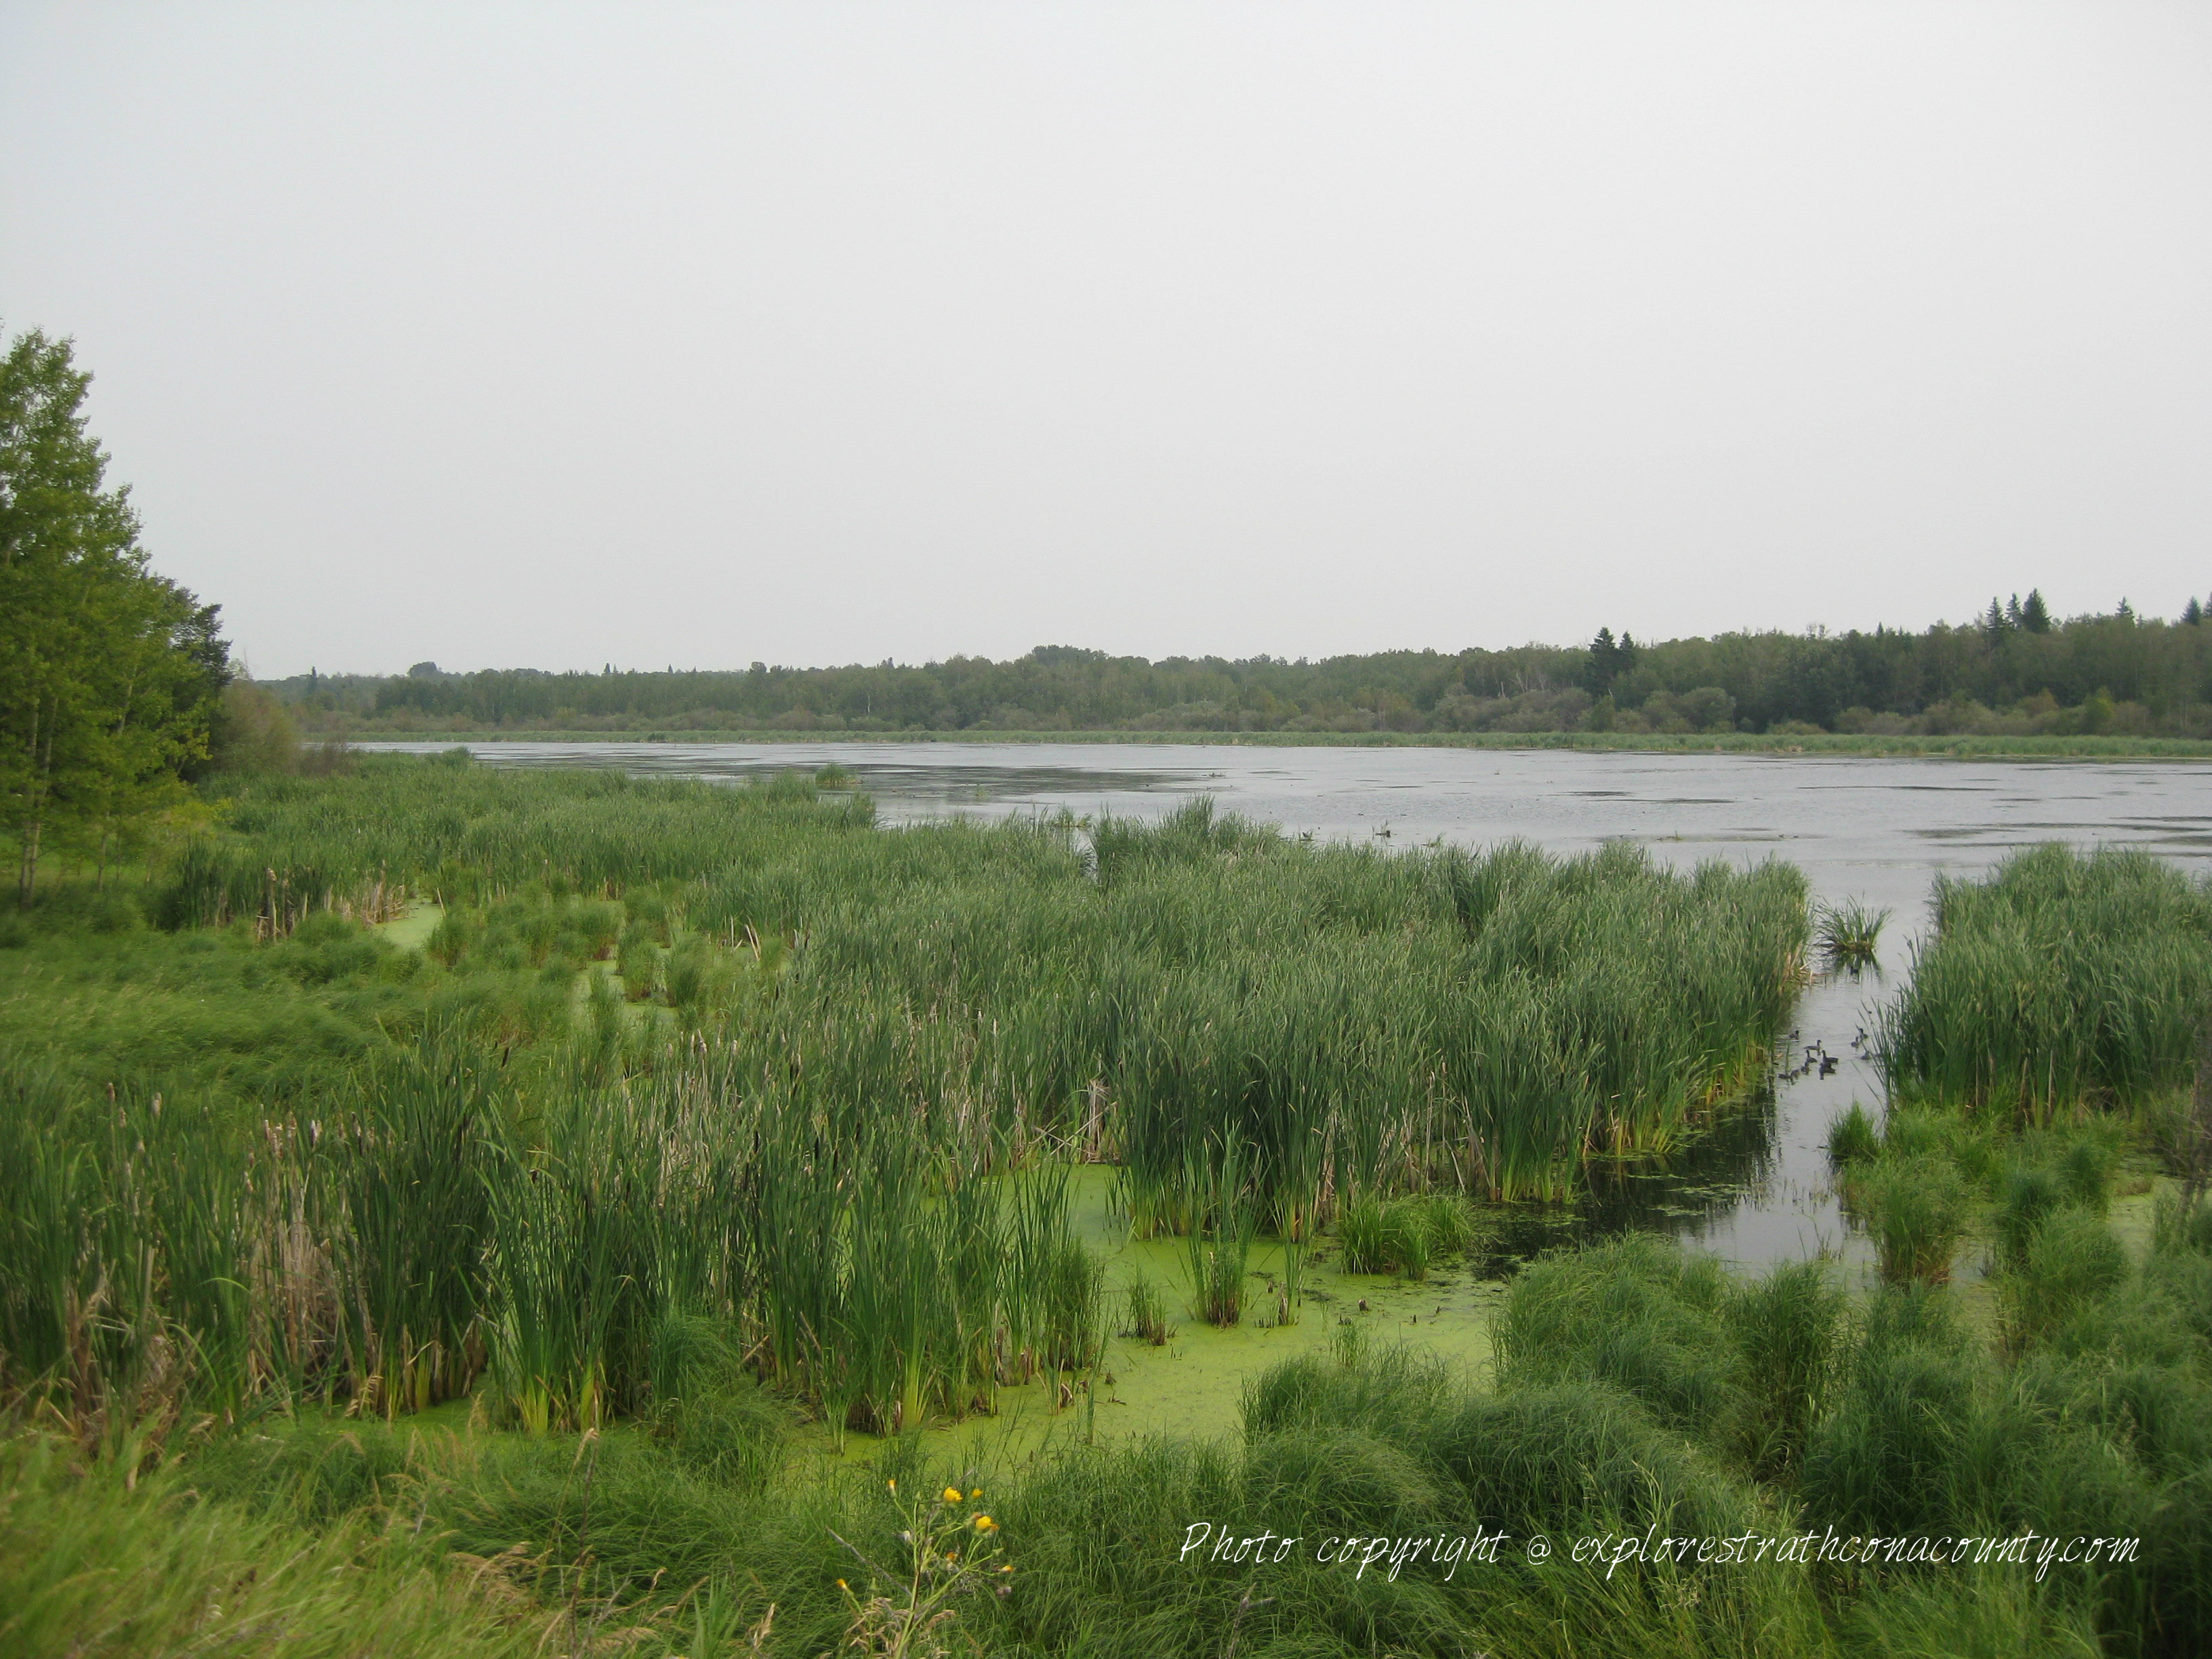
<point x="1840" y="745"/>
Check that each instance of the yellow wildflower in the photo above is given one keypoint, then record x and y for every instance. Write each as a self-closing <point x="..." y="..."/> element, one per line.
<point x="952" y="1494"/>
<point x="975" y="1494"/>
<point x="842" y="1585"/>
<point x="984" y="1523"/>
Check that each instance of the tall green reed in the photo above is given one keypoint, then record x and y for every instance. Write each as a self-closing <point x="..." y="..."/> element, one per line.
<point x="843" y="1148"/>
<point x="2060" y="978"/>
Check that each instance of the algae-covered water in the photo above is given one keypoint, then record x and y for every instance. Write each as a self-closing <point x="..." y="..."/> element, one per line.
<point x="1193" y="1384"/>
<point x="411" y="929"/>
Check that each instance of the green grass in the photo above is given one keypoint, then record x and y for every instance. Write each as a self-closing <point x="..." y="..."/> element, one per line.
<point x="1916" y="1212"/>
<point x="2061" y="979"/>
<point x="1852" y="1136"/>
<point x="207" y="1012"/>
<point x="679" y="1534"/>
<point x="816" y="1168"/>
<point x="91" y="1567"/>
<point x="1847" y="933"/>
<point x="1148" y="1319"/>
<point x="1406" y="1234"/>
<point x="411" y="1173"/>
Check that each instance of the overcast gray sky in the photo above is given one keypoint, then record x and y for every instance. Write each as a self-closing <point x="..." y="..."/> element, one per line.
<point x="557" y="335"/>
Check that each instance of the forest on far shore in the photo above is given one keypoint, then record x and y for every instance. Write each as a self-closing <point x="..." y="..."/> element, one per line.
<point x="2014" y="669"/>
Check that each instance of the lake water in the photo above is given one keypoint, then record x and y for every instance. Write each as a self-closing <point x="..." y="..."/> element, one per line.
<point x="1877" y="830"/>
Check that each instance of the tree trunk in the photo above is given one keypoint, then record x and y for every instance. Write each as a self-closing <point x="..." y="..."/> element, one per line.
<point x="27" y="876"/>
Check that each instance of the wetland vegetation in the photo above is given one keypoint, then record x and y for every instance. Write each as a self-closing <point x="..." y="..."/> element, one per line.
<point x="548" y="1210"/>
<point x="897" y="1041"/>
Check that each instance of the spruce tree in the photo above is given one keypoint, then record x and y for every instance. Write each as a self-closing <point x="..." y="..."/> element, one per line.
<point x="1604" y="663"/>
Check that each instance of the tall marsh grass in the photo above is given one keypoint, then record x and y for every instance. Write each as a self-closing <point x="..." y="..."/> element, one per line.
<point x="1916" y="1212"/>
<point x="841" y="1129"/>
<point x="2060" y="978"/>
<point x="1350" y="1017"/>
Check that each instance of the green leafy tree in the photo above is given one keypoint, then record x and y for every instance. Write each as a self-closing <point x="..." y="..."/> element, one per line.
<point x="109" y="673"/>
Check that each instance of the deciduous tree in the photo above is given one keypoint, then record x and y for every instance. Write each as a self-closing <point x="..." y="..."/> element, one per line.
<point x="109" y="673"/>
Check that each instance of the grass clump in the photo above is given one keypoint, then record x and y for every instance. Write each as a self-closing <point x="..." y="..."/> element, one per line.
<point x="2063" y="978"/>
<point x="733" y="1435"/>
<point x="2030" y="1196"/>
<point x="1748" y="1366"/>
<point x="1406" y="1234"/>
<point x="1637" y="1314"/>
<point x="2071" y="1260"/>
<point x="1853" y="1138"/>
<point x="1222" y="1226"/>
<point x="1147" y="1313"/>
<point x="1216" y="1275"/>
<point x="1847" y="935"/>
<point x="1362" y="1234"/>
<point x="1790" y="1331"/>
<point x="1916" y="1212"/>
<point x="90" y="1565"/>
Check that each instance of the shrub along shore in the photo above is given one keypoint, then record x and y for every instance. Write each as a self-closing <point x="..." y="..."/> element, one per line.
<point x="467" y="1298"/>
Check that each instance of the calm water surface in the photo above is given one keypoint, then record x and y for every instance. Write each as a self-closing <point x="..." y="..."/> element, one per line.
<point x="1877" y="830"/>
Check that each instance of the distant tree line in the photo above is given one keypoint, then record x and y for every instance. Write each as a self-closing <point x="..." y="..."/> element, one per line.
<point x="2013" y="669"/>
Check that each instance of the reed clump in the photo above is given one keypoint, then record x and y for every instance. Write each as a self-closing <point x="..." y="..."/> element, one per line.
<point x="1148" y="1320"/>
<point x="2063" y="978"/>
<point x="1219" y="1246"/>
<point x="1405" y="1234"/>
<point x="1853" y="1137"/>
<point x="1848" y="933"/>
<point x="1916" y="1214"/>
